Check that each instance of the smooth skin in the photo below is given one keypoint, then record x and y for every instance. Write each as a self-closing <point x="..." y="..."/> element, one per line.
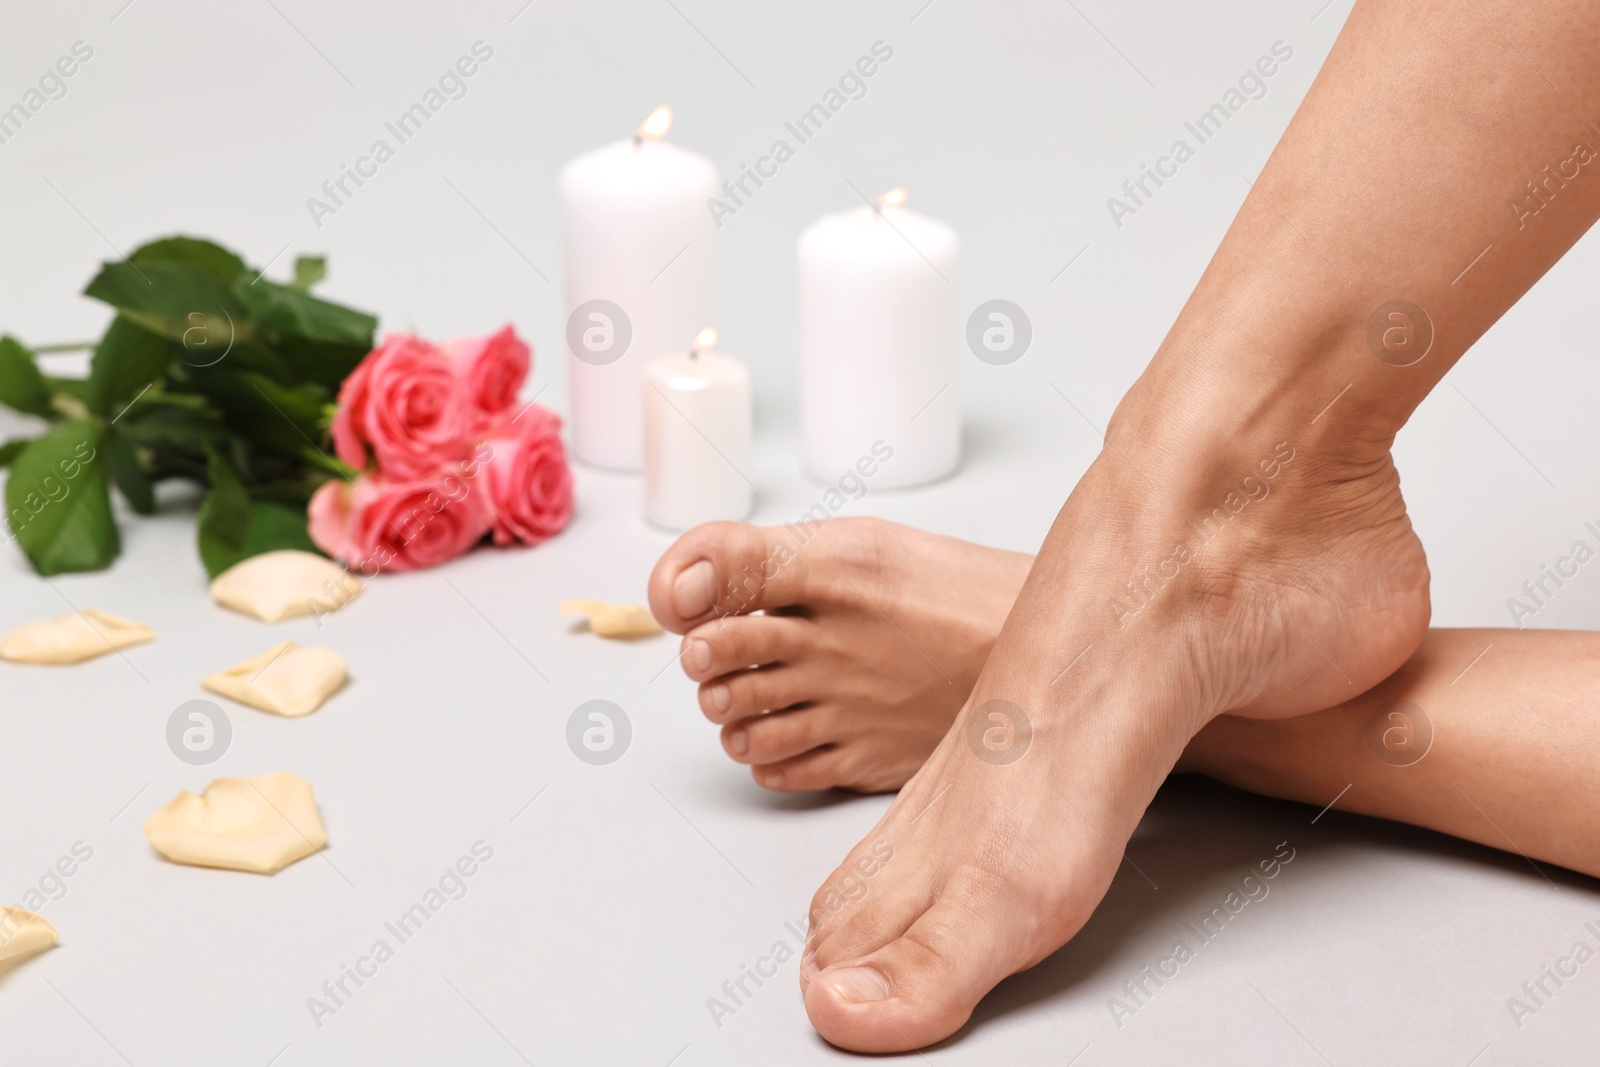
<point x="1515" y="741"/>
<point x="1133" y="630"/>
<point x="1502" y="753"/>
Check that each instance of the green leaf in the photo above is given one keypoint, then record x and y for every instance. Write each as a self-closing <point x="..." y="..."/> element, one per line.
<point x="191" y="252"/>
<point x="156" y="425"/>
<point x="318" y="341"/>
<point x="77" y="388"/>
<point x="325" y="363"/>
<point x="280" y="309"/>
<point x="127" y="359"/>
<point x="199" y="363"/>
<point x="58" y="502"/>
<point x="186" y="465"/>
<point x="308" y="271"/>
<point x="275" y="526"/>
<point x="128" y="474"/>
<point x="266" y="414"/>
<point x="165" y="400"/>
<point x="21" y="385"/>
<point x="11" y="449"/>
<point x="179" y="301"/>
<point x="297" y="492"/>
<point x="224" y="524"/>
<point x="233" y="527"/>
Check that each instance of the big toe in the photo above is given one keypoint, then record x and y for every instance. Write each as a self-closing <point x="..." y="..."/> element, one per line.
<point x="921" y="986"/>
<point x="721" y="568"/>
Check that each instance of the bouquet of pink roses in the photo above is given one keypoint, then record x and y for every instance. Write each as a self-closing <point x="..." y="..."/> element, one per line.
<point x="445" y="454"/>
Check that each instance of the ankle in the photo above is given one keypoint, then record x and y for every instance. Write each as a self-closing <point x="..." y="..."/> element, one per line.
<point x="1246" y="368"/>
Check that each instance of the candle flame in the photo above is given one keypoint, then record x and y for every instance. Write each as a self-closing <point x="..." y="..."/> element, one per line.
<point x="656" y="126"/>
<point x="706" y="339"/>
<point x="894" y="197"/>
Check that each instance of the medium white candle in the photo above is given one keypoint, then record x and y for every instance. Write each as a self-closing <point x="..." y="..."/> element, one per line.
<point x="697" y="437"/>
<point x="879" y="332"/>
<point x="643" y="271"/>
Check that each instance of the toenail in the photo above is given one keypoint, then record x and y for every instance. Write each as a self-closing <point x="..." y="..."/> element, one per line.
<point x="695" y="590"/>
<point x="857" y="985"/>
<point x="720" y="697"/>
<point x="772" y="779"/>
<point x="697" y="654"/>
<point x="808" y="967"/>
<point x="739" y="742"/>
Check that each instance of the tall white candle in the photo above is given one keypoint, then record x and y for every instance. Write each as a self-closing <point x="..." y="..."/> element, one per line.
<point x="696" y="437"/>
<point x="643" y="271"/>
<point x="879" y="332"/>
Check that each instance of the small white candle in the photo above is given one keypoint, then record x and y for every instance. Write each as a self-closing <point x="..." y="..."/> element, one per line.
<point x="697" y="437"/>
<point x="879" y="335"/>
<point x="643" y="271"/>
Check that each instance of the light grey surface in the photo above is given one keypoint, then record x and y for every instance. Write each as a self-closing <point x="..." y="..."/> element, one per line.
<point x="624" y="897"/>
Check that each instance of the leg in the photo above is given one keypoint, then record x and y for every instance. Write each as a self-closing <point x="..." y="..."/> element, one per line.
<point x="1195" y="593"/>
<point x="1511" y="763"/>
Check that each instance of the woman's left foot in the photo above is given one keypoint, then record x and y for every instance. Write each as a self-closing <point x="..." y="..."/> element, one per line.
<point x="838" y="661"/>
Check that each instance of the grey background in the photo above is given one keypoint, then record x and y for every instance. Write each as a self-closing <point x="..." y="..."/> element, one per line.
<point x="623" y="897"/>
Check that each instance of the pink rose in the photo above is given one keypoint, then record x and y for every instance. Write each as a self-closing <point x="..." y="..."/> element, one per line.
<point x="382" y="525"/>
<point x="402" y="402"/>
<point x="491" y="371"/>
<point x="529" y="481"/>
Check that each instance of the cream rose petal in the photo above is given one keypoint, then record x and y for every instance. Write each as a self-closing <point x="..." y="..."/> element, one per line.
<point x="286" y="679"/>
<point x="22" y="934"/>
<point x="613" y="620"/>
<point x="72" y="638"/>
<point x="283" y="584"/>
<point x="259" y="824"/>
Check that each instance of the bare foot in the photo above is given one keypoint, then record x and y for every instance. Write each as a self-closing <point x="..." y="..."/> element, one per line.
<point x="833" y="655"/>
<point x="1117" y="652"/>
